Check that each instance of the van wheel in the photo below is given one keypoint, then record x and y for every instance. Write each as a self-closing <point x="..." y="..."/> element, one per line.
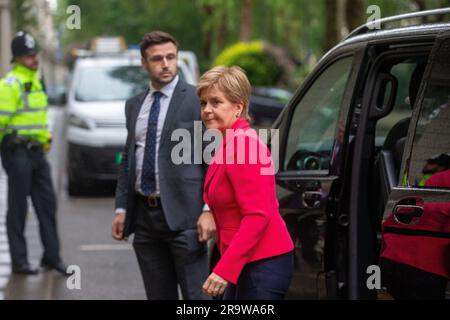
<point x="77" y="187"/>
<point x="74" y="188"/>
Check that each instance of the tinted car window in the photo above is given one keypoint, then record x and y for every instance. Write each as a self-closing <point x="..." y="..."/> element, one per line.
<point x="313" y="125"/>
<point x="402" y="107"/>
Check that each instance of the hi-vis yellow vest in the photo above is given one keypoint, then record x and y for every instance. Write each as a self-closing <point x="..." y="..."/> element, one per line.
<point x="23" y="105"/>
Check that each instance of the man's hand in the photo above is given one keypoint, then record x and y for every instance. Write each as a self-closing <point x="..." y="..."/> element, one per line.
<point x="215" y="285"/>
<point x="117" y="226"/>
<point x="206" y="227"/>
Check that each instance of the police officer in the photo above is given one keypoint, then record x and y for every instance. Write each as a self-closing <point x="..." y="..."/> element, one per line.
<point x="25" y="138"/>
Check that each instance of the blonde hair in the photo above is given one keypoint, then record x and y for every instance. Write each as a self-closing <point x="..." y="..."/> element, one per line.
<point x="232" y="81"/>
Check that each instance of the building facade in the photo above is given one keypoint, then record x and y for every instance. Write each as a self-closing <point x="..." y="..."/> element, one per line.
<point x="7" y="32"/>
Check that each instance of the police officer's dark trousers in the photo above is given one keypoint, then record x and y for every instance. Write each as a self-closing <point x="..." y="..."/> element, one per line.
<point x="29" y="175"/>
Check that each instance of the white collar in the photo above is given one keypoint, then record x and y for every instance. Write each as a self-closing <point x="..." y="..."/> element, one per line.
<point x="167" y="90"/>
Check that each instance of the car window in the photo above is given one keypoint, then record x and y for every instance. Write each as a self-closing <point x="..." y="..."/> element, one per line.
<point x="430" y="157"/>
<point x="402" y="108"/>
<point x="313" y="126"/>
<point x="110" y="83"/>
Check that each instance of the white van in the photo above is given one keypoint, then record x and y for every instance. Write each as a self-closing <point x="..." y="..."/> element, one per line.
<point x="96" y="131"/>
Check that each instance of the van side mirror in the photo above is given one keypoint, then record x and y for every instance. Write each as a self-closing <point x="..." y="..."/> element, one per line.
<point x="63" y="98"/>
<point x="57" y="96"/>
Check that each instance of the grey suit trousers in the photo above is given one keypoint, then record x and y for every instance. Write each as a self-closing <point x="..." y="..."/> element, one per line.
<point x="167" y="258"/>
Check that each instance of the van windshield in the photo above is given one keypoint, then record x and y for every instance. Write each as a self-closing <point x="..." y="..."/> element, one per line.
<point x="110" y="83"/>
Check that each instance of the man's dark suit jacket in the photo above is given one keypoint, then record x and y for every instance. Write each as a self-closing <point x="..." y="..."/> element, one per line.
<point x="181" y="186"/>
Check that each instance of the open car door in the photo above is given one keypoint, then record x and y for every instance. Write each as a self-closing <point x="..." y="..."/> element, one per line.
<point x="415" y="253"/>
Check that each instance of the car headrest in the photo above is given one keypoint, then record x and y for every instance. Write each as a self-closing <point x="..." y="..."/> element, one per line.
<point x="398" y="131"/>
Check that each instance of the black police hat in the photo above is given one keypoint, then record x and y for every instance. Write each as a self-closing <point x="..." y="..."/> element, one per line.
<point x="23" y="44"/>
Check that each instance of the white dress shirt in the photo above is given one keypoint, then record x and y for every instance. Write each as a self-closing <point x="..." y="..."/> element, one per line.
<point x="141" y="128"/>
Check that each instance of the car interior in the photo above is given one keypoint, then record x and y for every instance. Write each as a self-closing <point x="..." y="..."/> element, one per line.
<point x="395" y="92"/>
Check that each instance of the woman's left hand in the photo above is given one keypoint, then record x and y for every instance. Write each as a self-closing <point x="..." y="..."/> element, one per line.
<point x="215" y="285"/>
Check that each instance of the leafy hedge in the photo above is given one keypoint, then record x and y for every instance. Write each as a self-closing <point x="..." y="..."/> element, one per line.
<point x="261" y="68"/>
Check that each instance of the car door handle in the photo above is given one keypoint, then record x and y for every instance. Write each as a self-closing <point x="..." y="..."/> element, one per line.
<point x="407" y="214"/>
<point x="312" y="199"/>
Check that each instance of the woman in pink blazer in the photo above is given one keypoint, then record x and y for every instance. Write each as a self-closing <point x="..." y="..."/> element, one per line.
<point x="256" y="249"/>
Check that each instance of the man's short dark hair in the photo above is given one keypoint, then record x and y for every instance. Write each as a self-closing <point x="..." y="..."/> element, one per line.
<point x="154" y="38"/>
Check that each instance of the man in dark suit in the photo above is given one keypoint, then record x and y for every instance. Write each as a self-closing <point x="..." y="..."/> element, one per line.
<point x="157" y="199"/>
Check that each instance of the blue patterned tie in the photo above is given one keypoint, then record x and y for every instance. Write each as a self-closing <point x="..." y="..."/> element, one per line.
<point x="148" y="183"/>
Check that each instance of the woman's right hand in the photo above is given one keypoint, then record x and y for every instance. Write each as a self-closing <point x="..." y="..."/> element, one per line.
<point x="215" y="285"/>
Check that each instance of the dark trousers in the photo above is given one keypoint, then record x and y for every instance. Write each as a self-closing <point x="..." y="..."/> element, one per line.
<point x="167" y="258"/>
<point x="266" y="279"/>
<point x="29" y="175"/>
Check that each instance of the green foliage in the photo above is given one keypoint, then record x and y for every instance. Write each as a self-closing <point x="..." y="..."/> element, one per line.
<point x="219" y="21"/>
<point x="208" y="26"/>
<point x="24" y="19"/>
<point x="261" y="69"/>
<point x="298" y="25"/>
<point x="390" y="8"/>
<point x="133" y="18"/>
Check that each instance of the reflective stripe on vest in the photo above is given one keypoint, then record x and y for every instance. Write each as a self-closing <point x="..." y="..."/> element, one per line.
<point x="35" y="127"/>
<point x="30" y="110"/>
<point x="6" y="113"/>
<point x="24" y="96"/>
<point x="22" y="111"/>
<point x="17" y="127"/>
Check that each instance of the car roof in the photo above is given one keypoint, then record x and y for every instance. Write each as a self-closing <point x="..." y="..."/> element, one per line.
<point x="431" y="30"/>
<point x="108" y="61"/>
<point x="127" y="59"/>
<point x="411" y="33"/>
<point x="373" y="31"/>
